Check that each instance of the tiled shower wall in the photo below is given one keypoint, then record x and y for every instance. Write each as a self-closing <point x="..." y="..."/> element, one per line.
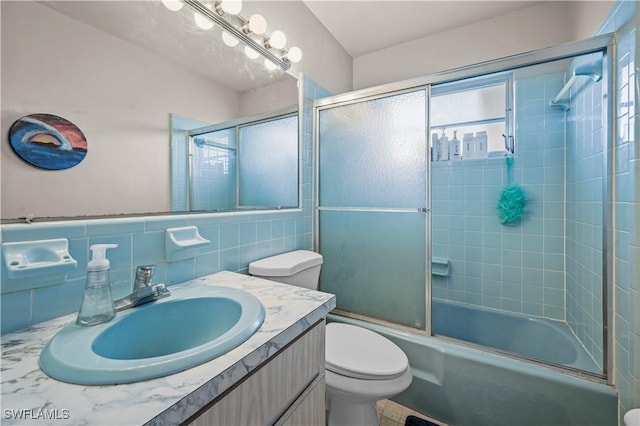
<point x="514" y="268"/>
<point x="214" y="174"/>
<point x="179" y="160"/>
<point x="236" y="239"/>
<point x="584" y="214"/>
<point x="624" y="20"/>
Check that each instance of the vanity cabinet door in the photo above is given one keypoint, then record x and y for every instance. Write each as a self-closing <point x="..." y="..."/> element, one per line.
<point x="266" y="396"/>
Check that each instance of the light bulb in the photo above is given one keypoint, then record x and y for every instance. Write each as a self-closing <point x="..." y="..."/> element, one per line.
<point x="294" y="54"/>
<point x="278" y="39"/>
<point x="251" y="54"/>
<point x="229" y="40"/>
<point x="173" y="5"/>
<point x="201" y="21"/>
<point x="257" y="24"/>
<point x="232" y="7"/>
<point x="270" y="65"/>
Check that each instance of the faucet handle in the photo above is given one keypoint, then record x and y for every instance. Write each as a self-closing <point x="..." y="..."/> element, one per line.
<point x="144" y="275"/>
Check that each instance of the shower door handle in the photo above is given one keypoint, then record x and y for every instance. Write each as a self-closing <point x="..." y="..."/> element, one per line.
<point x="424" y="210"/>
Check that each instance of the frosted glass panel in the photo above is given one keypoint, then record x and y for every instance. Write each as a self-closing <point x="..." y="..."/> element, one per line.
<point x="265" y="179"/>
<point x="213" y="180"/>
<point x="375" y="263"/>
<point x="469" y="105"/>
<point x="373" y="153"/>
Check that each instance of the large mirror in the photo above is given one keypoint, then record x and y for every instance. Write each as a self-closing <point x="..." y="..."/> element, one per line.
<point x="121" y="71"/>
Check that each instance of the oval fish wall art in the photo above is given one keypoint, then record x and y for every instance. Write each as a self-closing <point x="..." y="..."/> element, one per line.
<point x="48" y="141"/>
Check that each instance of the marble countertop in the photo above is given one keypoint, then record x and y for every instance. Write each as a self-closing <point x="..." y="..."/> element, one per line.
<point x="31" y="397"/>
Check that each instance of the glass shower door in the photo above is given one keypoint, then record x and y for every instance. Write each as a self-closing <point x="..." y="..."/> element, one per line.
<point x="372" y="204"/>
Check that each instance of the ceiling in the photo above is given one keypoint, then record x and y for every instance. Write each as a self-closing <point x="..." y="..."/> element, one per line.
<point x="363" y="27"/>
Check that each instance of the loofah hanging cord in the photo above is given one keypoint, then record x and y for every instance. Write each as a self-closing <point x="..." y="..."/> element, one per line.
<point x="513" y="200"/>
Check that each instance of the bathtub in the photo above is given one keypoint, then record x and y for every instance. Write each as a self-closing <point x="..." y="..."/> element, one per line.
<point x="537" y="338"/>
<point x="461" y="385"/>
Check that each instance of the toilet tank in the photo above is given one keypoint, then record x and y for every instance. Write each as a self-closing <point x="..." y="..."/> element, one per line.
<point x="300" y="268"/>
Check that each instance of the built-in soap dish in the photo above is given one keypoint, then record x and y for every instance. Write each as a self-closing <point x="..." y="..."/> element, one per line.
<point x="49" y="259"/>
<point x="440" y="266"/>
<point x="183" y="243"/>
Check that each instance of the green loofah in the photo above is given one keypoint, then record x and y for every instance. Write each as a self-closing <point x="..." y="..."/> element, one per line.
<point x="512" y="205"/>
<point x="513" y="200"/>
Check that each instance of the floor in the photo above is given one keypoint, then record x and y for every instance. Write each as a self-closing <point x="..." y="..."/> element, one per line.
<point x="393" y="414"/>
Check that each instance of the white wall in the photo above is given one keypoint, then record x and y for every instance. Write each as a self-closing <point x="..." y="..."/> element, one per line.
<point x="269" y="98"/>
<point x="535" y="27"/>
<point x="587" y="16"/>
<point x="120" y="97"/>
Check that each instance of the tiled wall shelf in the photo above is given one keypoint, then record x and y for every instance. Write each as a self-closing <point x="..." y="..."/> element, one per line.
<point x="183" y="243"/>
<point x="35" y="263"/>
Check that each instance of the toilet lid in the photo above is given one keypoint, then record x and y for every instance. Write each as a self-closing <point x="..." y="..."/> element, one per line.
<point x="362" y="354"/>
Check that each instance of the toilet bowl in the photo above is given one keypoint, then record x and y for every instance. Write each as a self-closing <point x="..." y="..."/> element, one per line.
<point x="632" y="417"/>
<point x="361" y="366"/>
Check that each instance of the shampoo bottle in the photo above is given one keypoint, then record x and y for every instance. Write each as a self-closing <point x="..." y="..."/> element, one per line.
<point x="481" y="144"/>
<point x="444" y="147"/>
<point x="467" y="146"/>
<point x="97" y="302"/>
<point x="435" y="147"/>
<point x="454" y="147"/>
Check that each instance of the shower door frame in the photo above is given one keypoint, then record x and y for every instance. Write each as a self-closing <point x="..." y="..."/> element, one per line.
<point x="426" y="209"/>
<point x="604" y="44"/>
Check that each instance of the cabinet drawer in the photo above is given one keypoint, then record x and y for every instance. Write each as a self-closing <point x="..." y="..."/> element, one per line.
<point x="268" y="392"/>
<point x="309" y="409"/>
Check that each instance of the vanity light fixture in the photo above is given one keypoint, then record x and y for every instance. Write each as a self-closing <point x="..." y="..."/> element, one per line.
<point x="202" y="22"/>
<point x="251" y="32"/>
<point x="251" y="54"/>
<point x="270" y="65"/>
<point x="229" y="40"/>
<point x="256" y="24"/>
<point x="277" y="40"/>
<point x="173" y="5"/>
<point x="230" y="6"/>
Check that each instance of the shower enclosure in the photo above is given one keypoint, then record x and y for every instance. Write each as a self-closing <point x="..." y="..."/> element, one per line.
<point x="247" y="163"/>
<point x="408" y="224"/>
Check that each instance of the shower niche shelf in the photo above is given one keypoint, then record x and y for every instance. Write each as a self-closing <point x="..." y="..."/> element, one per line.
<point x="38" y="263"/>
<point x="440" y="266"/>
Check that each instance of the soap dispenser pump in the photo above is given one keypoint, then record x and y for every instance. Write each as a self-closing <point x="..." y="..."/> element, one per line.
<point x="97" y="302"/>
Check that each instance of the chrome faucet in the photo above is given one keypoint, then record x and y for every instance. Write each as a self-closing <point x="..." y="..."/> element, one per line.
<point x="143" y="291"/>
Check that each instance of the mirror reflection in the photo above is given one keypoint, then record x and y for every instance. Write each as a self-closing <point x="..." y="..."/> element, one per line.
<point x="249" y="163"/>
<point x="117" y="70"/>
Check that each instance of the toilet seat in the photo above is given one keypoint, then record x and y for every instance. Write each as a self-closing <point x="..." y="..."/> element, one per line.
<point x="362" y="354"/>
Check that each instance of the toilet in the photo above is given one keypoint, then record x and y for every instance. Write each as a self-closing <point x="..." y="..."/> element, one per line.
<point x="361" y="366"/>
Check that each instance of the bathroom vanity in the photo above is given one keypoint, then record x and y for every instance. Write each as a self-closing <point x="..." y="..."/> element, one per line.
<point x="275" y="377"/>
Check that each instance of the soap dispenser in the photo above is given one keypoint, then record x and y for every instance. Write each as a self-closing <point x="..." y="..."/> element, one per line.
<point x="97" y="302"/>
